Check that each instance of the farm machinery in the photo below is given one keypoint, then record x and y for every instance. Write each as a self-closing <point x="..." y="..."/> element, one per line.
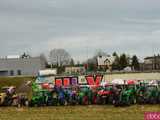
<point x="9" y="97"/>
<point x="53" y="96"/>
<point x="41" y="97"/>
<point x="71" y="95"/>
<point x="148" y="93"/>
<point x="84" y="95"/>
<point x="124" y="93"/>
<point x="152" y="94"/>
<point x="128" y="95"/>
<point x="105" y="94"/>
<point x="141" y="93"/>
<point x="118" y="92"/>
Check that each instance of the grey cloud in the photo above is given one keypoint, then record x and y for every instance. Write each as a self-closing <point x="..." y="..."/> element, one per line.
<point x="37" y="26"/>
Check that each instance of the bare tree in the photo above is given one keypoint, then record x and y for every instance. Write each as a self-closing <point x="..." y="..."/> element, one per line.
<point x="44" y="59"/>
<point x="60" y="57"/>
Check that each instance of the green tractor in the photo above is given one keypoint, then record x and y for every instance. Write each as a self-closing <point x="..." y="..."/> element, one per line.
<point x="128" y="95"/>
<point x="141" y="92"/>
<point x="41" y="97"/>
<point x="158" y="91"/>
<point x="148" y="92"/>
<point x="152" y="94"/>
<point x="84" y="95"/>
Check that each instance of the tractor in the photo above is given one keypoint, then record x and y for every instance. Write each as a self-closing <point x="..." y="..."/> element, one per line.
<point x="72" y="96"/>
<point x="158" y="91"/>
<point x="152" y="94"/>
<point x="105" y="94"/>
<point x="61" y="96"/>
<point x="41" y="97"/>
<point x="127" y="94"/>
<point x="141" y="92"/>
<point x="3" y="96"/>
<point x="84" y="95"/>
<point x="8" y="97"/>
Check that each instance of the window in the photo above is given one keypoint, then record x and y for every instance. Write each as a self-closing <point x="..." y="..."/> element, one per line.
<point x="19" y="72"/>
<point x="12" y="73"/>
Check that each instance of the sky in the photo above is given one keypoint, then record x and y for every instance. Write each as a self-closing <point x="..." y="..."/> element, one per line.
<point x="81" y="27"/>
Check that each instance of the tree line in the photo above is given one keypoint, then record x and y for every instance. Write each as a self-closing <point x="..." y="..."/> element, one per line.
<point x="60" y="58"/>
<point x="120" y="62"/>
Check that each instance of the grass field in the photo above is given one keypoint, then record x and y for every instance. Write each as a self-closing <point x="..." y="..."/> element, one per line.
<point x="77" y="113"/>
<point x="14" y="81"/>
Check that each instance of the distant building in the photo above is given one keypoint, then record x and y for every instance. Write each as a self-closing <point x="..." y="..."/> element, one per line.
<point x="14" y="66"/>
<point x="105" y="61"/>
<point x="151" y="63"/>
<point x="71" y="70"/>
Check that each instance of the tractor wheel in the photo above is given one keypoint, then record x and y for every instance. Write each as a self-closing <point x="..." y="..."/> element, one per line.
<point x="65" y="103"/>
<point x="9" y="103"/>
<point x="99" y="100"/>
<point x="49" y="103"/>
<point x="159" y="99"/>
<point x="55" y="101"/>
<point x="38" y="105"/>
<point x="26" y="103"/>
<point x="128" y="101"/>
<point x="116" y="103"/>
<point x="85" y="100"/>
<point x="103" y="101"/>
<point x="134" y="101"/>
<point x="31" y="104"/>
<point x="153" y="100"/>
<point x="94" y="100"/>
<point x="110" y="99"/>
<point x="62" y="102"/>
<point x="141" y="100"/>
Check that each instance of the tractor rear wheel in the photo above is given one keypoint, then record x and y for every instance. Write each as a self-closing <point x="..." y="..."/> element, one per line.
<point x="85" y="100"/>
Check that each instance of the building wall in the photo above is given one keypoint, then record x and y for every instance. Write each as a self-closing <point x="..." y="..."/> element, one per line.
<point x="74" y="70"/>
<point x="151" y="63"/>
<point x="21" y="66"/>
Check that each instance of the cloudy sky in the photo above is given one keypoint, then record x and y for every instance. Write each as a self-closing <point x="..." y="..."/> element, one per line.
<point x="80" y="26"/>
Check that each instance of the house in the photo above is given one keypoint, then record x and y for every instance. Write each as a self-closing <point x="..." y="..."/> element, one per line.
<point x="151" y="63"/>
<point x="105" y="61"/>
<point x="26" y="66"/>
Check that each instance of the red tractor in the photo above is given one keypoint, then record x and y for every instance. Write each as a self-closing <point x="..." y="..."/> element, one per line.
<point x="105" y="94"/>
